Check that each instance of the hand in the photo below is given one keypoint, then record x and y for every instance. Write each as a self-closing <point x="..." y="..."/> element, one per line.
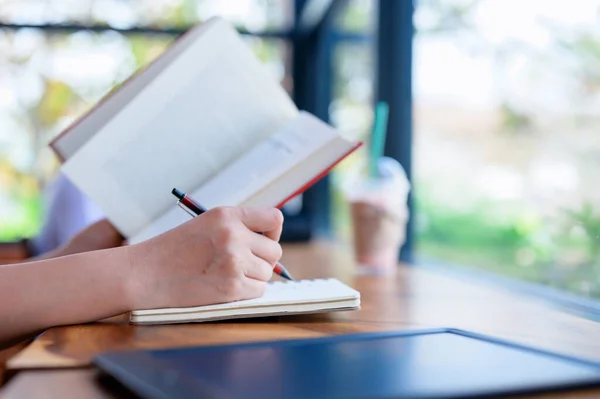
<point x="98" y="235"/>
<point x="214" y="258"/>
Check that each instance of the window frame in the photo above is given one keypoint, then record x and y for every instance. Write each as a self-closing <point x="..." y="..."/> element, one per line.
<point x="313" y="41"/>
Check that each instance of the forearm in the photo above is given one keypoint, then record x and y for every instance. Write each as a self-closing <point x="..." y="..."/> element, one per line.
<point x="13" y="252"/>
<point x="73" y="289"/>
<point x="55" y="253"/>
<point x="61" y="251"/>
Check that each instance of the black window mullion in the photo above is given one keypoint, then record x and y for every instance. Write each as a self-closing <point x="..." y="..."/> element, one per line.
<point x="393" y="84"/>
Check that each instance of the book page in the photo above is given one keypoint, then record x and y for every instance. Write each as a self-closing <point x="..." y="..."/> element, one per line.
<point x="266" y="162"/>
<point x="257" y="169"/>
<point x="67" y="143"/>
<point x="303" y="175"/>
<point x="172" y="218"/>
<point x="211" y="105"/>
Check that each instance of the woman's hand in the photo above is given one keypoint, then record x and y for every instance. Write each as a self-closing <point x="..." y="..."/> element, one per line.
<point x="214" y="258"/>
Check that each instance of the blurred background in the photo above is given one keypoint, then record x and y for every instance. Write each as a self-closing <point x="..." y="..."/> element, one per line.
<point x="494" y="112"/>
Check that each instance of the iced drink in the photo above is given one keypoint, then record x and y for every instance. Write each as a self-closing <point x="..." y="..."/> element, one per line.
<point x="379" y="214"/>
<point x="378" y="234"/>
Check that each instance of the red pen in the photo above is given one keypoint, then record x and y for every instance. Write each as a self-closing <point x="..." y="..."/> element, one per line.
<point x="195" y="209"/>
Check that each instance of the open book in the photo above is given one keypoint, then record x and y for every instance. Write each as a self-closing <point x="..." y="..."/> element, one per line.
<point x="280" y="298"/>
<point x="206" y="117"/>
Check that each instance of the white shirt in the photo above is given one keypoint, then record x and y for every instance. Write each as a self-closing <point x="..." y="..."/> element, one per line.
<point x="67" y="211"/>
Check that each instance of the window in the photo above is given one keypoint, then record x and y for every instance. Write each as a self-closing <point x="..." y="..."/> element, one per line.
<point x="250" y="15"/>
<point x="52" y="71"/>
<point x="351" y="109"/>
<point x="47" y="80"/>
<point x="506" y="142"/>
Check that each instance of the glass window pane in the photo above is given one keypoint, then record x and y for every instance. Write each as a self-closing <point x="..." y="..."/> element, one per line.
<point x="506" y="144"/>
<point x="249" y="14"/>
<point x="47" y="81"/>
<point x="357" y="16"/>
<point x="351" y="112"/>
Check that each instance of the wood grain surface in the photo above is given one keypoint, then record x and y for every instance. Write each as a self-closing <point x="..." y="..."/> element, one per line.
<point x="409" y="298"/>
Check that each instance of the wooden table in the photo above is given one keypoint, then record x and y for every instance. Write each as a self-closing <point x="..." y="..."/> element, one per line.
<point x="57" y="364"/>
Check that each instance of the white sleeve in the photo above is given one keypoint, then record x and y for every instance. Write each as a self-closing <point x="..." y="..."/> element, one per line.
<point x="67" y="211"/>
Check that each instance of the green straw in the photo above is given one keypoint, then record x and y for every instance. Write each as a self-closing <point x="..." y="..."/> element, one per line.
<point x="378" y="138"/>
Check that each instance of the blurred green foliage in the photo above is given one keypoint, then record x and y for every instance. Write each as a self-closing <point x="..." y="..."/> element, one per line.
<point x="561" y="251"/>
<point x="20" y="218"/>
<point x="512" y="120"/>
<point x="55" y="102"/>
<point x="356" y="16"/>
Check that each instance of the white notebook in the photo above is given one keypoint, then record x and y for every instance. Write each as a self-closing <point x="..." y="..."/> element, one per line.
<point x="280" y="298"/>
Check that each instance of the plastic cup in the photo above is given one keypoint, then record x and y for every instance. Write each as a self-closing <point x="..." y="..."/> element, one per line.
<point x="379" y="214"/>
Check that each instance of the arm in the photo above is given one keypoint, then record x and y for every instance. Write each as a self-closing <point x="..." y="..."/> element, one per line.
<point x="11" y="252"/>
<point x="23" y="279"/>
<point x="68" y="212"/>
<point x="16" y="252"/>
<point x="213" y="258"/>
<point x="66" y="290"/>
<point x="99" y="235"/>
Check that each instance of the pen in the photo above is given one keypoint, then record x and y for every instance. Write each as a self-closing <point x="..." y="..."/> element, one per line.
<point x="195" y="209"/>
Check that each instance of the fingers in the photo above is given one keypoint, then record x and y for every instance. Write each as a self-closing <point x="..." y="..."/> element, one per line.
<point x="266" y="220"/>
<point x="275" y="234"/>
<point x="265" y="253"/>
<point x="258" y="269"/>
<point x="265" y="248"/>
<point x="252" y="288"/>
<point x="263" y="220"/>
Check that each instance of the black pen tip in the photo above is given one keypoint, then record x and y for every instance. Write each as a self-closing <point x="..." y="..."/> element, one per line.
<point x="178" y="194"/>
<point x="287" y="275"/>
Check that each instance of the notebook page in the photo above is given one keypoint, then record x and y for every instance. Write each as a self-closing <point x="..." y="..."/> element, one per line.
<point x="277" y="293"/>
<point x="213" y="103"/>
